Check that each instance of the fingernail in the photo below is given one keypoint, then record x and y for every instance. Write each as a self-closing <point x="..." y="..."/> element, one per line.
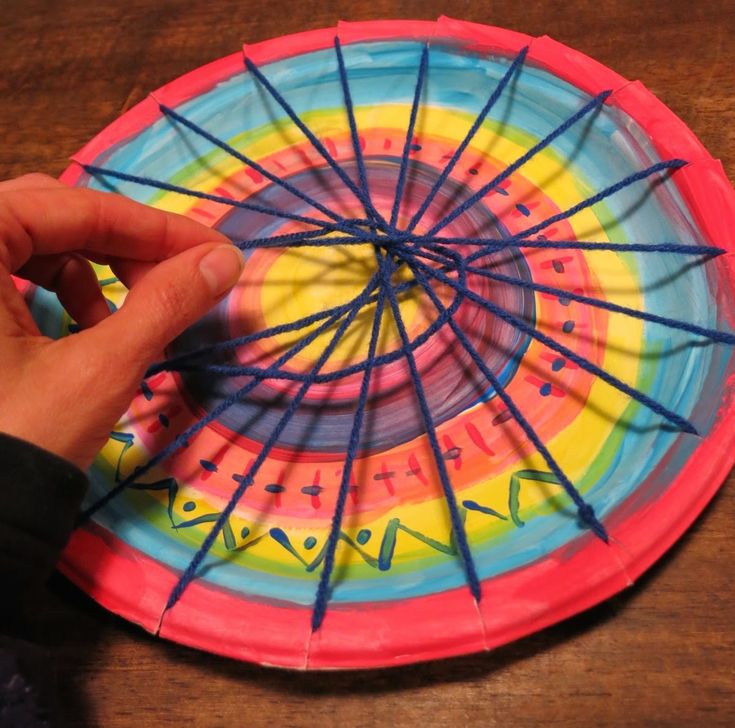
<point x="221" y="268"/>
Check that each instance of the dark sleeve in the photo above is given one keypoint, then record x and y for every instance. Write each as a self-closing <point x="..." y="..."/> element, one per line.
<point x="40" y="495"/>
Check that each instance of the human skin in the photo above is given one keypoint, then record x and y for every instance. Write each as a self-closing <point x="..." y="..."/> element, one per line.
<point x="66" y="395"/>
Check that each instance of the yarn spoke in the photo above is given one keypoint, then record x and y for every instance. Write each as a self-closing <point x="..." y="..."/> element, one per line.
<point x="672" y="323"/>
<point x="315" y="242"/>
<point x="350" y="111"/>
<point x="669" y="165"/>
<point x="182" y="361"/>
<point x="679" y="422"/>
<point x="415" y="105"/>
<point x="275" y="179"/>
<point x="191" y="570"/>
<point x="458" y="530"/>
<point x="226" y="370"/>
<point x="711" y="334"/>
<point x="492" y="100"/>
<point x="282" y="239"/>
<point x="323" y="590"/>
<point x="168" y="187"/>
<point x="593" y="105"/>
<point x="585" y="511"/>
<point x="370" y="211"/>
<point x="498" y="244"/>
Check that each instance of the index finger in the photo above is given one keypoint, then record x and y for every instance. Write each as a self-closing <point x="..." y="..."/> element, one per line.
<point x="57" y="220"/>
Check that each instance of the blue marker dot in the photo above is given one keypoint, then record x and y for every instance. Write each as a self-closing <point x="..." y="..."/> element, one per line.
<point x="557" y="264"/>
<point x="564" y="301"/>
<point x="208" y="465"/>
<point x="363" y="536"/>
<point x="189" y="506"/>
<point x="567" y="327"/>
<point x="472" y="170"/>
<point x="309" y="543"/>
<point x="147" y="392"/>
<point x="557" y="364"/>
<point x="545" y="390"/>
<point x="163" y="419"/>
<point x="523" y="209"/>
<point x="245" y="532"/>
<point x="415" y="147"/>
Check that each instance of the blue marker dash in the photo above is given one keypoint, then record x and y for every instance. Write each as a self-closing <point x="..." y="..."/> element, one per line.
<point x="208" y="465"/>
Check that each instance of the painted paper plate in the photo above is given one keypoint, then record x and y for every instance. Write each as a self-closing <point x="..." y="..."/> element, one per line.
<point x="476" y="375"/>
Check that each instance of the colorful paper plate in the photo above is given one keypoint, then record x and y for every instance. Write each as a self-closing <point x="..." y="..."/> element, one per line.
<point x="259" y="145"/>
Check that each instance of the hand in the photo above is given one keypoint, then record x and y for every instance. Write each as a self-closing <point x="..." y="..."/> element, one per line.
<point x="66" y="395"/>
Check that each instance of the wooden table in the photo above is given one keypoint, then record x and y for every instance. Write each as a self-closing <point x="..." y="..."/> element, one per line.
<point x="661" y="654"/>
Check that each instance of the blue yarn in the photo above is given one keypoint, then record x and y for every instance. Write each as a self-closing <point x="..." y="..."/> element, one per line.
<point x="173" y="363"/>
<point x="366" y="203"/>
<point x="316" y="242"/>
<point x="286" y="238"/>
<point x="185" y="436"/>
<point x="317" y="239"/>
<point x="494" y="96"/>
<point x="237" y="371"/>
<point x="497" y="244"/>
<point x="460" y="536"/>
<point x="190" y="572"/>
<point x="250" y="163"/>
<point x="596" y="103"/>
<point x="670" y="164"/>
<point x="586" y="512"/>
<point x="349" y="108"/>
<point x="680" y="422"/>
<point x="712" y="334"/>
<point x="159" y="184"/>
<point x="403" y="170"/>
<point x="323" y="590"/>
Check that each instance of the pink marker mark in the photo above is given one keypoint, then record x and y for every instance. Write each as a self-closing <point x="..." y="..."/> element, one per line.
<point x="478" y="439"/>
<point x="331" y="147"/>
<point x="316" y="502"/>
<point x="385" y="476"/>
<point x="254" y="175"/>
<point x="452" y="452"/>
<point x="223" y="192"/>
<point x="415" y="469"/>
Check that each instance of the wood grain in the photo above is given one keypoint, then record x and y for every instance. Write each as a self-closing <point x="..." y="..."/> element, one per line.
<point x="661" y="654"/>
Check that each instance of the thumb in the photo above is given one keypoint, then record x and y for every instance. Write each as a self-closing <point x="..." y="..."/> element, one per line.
<point x="165" y="301"/>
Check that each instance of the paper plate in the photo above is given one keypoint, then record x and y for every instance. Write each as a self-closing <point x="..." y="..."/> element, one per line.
<point x="571" y="391"/>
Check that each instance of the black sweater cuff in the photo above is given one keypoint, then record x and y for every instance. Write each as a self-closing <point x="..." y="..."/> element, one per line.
<point x="40" y="495"/>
